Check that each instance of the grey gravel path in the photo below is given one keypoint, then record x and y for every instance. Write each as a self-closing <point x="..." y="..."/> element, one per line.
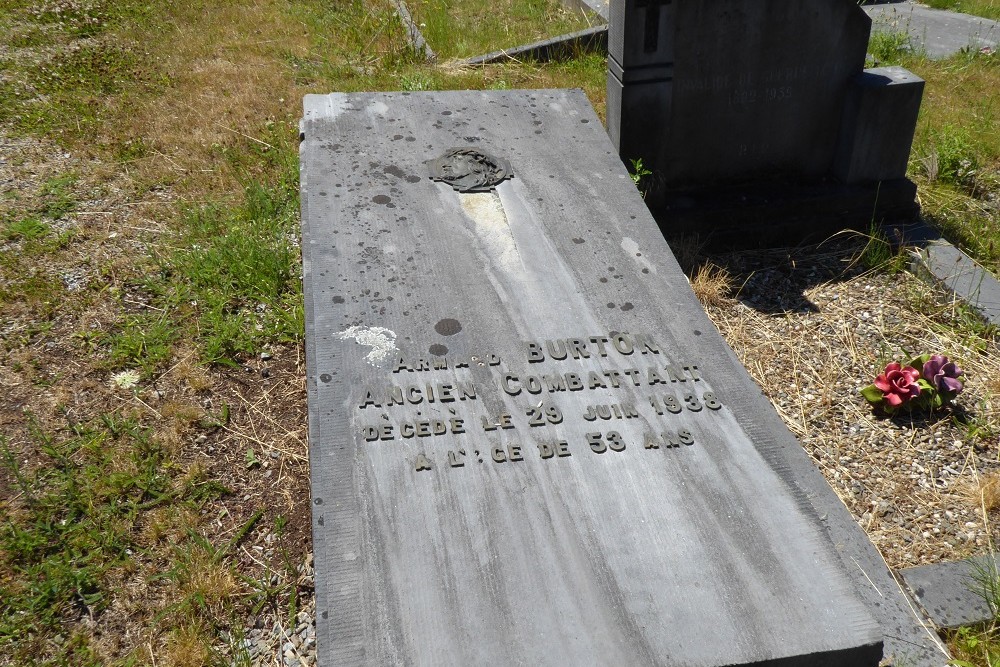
<point x="940" y="33"/>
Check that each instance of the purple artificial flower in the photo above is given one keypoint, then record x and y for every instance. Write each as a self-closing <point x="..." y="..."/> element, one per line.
<point x="942" y="374"/>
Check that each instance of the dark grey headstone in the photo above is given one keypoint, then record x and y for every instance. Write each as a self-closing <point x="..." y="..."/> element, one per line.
<point x="499" y="523"/>
<point x="958" y="593"/>
<point x="756" y="85"/>
<point x="749" y="110"/>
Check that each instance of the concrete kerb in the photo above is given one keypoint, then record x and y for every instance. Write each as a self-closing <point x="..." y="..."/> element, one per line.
<point x="413" y="31"/>
<point x="957" y="593"/>
<point x="943" y="264"/>
<point x="591" y="39"/>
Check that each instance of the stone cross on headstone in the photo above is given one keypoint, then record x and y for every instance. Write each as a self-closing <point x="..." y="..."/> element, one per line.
<point x="651" y="34"/>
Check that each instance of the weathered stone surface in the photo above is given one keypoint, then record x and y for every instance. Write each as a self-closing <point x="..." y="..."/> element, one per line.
<point x="880" y="117"/>
<point x="596" y="479"/>
<point x="955" y="594"/>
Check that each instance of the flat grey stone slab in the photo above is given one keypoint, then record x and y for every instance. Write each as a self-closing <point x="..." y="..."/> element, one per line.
<point x="938" y="32"/>
<point x="528" y="443"/>
<point x="960" y="274"/>
<point x="954" y="594"/>
<point x="590" y="39"/>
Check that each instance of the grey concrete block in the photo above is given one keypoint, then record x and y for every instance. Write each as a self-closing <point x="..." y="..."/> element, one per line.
<point x="880" y="117"/>
<point x="528" y="443"/>
<point x="960" y="274"/>
<point x="958" y="593"/>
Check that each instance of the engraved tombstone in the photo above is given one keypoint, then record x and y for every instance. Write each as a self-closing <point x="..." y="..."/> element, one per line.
<point x="759" y="109"/>
<point x="528" y="443"/>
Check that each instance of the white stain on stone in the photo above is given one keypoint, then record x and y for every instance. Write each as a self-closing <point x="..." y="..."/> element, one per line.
<point x="382" y="341"/>
<point x="632" y="249"/>
<point x="492" y="228"/>
<point x="379" y="108"/>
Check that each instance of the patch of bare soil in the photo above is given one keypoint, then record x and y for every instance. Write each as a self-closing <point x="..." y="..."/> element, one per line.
<point x="241" y="429"/>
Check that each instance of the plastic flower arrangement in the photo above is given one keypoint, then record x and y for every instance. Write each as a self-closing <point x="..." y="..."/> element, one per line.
<point x="926" y="383"/>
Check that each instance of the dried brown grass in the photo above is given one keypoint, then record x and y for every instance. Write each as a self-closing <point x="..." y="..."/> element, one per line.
<point x="712" y="284"/>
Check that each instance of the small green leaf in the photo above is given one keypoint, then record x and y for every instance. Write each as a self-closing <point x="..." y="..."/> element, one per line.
<point x="873" y="394"/>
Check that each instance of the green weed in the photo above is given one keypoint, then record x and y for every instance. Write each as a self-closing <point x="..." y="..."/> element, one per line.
<point x="889" y="47"/>
<point x="144" y="342"/>
<point x="28" y="229"/>
<point x="57" y="196"/>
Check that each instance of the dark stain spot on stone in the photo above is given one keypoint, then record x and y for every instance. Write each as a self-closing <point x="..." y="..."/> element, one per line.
<point x="318" y="501"/>
<point x="411" y="138"/>
<point x="638" y="254"/>
<point x="578" y="241"/>
<point x="611" y="269"/>
<point x="537" y="122"/>
<point x="336" y="147"/>
<point x="538" y="131"/>
<point x="697" y="332"/>
<point x="338" y="299"/>
<point x="397" y="137"/>
<point x="325" y="377"/>
<point x="321" y="521"/>
<point x="627" y="305"/>
<point x="438" y="350"/>
<point x="395" y="171"/>
<point x="381" y="199"/>
<point x="472" y="140"/>
<point x="412" y="179"/>
<point x="645" y="270"/>
<point x="448" y="327"/>
<point x="445" y="113"/>
<point x="326" y="614"/>
<point x="323" y="193"/>
<point x="604" y="280"/>
<point x="584" y="121"/>
<point x="611" y="304"/>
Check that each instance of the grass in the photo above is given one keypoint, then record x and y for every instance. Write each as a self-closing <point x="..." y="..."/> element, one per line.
<point x="153" y="480"/>
<point x="955" y="159"/>
<point x="465" y="28"/>
<point x="153" y="474"/>
<point x="986" y="8"/>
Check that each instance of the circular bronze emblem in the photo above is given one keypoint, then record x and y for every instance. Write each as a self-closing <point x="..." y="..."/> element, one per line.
<point x="469" y="169"/>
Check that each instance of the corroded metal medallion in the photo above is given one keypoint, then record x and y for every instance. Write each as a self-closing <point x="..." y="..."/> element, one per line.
<point x="469" y="169"/>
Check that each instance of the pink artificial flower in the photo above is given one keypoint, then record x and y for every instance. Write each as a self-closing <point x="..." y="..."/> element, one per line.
<point x="898" y="384"/>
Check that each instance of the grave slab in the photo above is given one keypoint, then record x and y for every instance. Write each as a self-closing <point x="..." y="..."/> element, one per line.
<point x="528" y="443"/>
